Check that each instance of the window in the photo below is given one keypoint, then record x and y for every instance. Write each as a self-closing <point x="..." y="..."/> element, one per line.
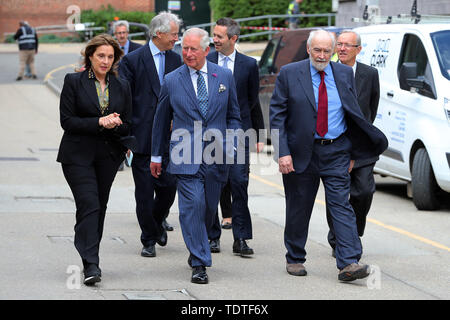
<point x="414" y="51"/>
<point x="441" y="42"/>
<point x="266" y="64"/>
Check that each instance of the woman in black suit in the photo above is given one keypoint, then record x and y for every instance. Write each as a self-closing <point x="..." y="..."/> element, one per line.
<point x="95" y="113"/>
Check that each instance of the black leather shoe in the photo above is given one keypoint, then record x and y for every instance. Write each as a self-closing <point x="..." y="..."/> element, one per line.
<point x="214" y="245"/>
<point x="163" y="239"/>
<point x="240" y="246"/>
<point x="199" y="275"/>
<point x="166" y="225"/>
<point x="148" y="252"/>
<point x="92" y="274"/>
<point x="190" y="260"/>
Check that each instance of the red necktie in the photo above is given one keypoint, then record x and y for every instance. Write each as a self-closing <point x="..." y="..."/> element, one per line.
<point x="322" y="109"/>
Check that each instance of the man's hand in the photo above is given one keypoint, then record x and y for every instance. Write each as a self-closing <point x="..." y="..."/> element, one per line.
<point x="285" y="164"/>
<point x="352" y="163"/>
<point x="155" y="169"/>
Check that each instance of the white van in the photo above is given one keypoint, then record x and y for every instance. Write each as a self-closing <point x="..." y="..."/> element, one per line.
<point x="413" y="61"/>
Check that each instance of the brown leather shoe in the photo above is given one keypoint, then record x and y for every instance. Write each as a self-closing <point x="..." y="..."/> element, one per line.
<point x="354" y="271"/>
<point x="296" y="269"/>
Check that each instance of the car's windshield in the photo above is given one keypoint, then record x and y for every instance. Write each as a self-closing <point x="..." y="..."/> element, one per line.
<point x="441" y="42"/>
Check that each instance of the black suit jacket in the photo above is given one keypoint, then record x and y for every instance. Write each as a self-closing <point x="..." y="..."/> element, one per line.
<point x="133" y="46"/>
<point x="293" y="113"/>
<point x="368" y="93"/>
<point x="367" y="90"/>
<point x="79" y="114"/>
<point x="138" y="68"/>
<point x="246" y="77"/>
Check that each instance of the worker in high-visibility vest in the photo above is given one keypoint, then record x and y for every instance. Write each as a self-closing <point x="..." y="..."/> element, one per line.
<point x="28" y="47"/>
<point x="294" y="8"/>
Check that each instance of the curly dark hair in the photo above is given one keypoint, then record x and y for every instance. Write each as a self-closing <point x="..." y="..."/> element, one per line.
<point x="101" y="40"/>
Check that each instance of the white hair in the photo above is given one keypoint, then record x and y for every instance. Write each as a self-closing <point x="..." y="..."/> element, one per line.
<point x="161" y="23"/>
<point x="121" y="23"/>
<point x="316" y="32"/>
<point x="202" y="34"/>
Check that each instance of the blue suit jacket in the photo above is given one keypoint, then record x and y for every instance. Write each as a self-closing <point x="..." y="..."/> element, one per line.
<point x="178" y="102"/>
<point x="293" y="113"/>
<point x="246" y="77"/>
<point x="138" y="67"/>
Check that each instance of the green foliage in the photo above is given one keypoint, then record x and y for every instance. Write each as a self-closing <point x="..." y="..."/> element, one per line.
<point x="104" y="16"/>
<point x="52" y="38"/>
<point x="252" y="8"/>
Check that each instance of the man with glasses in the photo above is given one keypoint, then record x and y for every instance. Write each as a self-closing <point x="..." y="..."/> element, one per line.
<point x="318" y="130"/>
<point x="121" y="29"/>
<point x="362" y="186"/>
<point x="145" y="69"/>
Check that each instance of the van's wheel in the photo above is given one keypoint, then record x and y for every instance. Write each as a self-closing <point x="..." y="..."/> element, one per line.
<point x="424" y="186"/>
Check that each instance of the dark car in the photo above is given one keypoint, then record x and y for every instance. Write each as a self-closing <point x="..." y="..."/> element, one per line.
<point x="285" y="47"/>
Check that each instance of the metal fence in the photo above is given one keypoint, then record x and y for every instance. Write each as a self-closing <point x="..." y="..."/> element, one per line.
<point x="269" y="19"/>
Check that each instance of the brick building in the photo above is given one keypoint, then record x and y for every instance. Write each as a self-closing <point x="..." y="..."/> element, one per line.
<point x="54" y="12"/>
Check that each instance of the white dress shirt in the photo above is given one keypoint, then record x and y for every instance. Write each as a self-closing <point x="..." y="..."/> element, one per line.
<point x="231" y="60"/>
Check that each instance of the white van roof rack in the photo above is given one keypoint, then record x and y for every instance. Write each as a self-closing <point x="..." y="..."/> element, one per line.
<point x="372" y="15"/>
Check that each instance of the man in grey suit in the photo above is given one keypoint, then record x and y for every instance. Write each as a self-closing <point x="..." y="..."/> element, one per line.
<point x="321" y="132"/>
<point x="199" y="99"/>
<point x="362" y="186"/>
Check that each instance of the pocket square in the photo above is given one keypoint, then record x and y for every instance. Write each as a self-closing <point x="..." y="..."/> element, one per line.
<point x="222" y="88"/>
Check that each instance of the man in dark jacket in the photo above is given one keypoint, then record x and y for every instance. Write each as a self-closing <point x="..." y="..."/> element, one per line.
<point x="28" y="47"/>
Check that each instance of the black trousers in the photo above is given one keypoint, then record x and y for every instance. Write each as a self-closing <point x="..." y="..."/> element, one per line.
<point x="154" y="197"/>
<point x="90" y="187"/>
<point x="362" y="188"/>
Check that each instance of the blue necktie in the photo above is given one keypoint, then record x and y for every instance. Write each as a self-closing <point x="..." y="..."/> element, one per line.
<point x="161" y="67"/>
<point x="202" y="95"/>
<point x="225" y="63"/>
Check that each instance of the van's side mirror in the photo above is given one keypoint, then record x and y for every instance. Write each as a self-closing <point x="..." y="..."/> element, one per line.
<point x="408" y="70"/>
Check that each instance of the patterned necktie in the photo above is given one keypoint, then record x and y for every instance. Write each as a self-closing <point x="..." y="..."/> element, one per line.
<point x="202" y="95"/>
<point x="161" y="67"/>
<point x="225" y="63"/>
<point x="322" y="109"/>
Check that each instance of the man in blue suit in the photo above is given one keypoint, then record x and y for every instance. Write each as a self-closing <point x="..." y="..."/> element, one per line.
<point x="318" y="130"/>
<point x="246" y="76"/>
<point x="200" y="99"/>
<point x="144" y="69"/>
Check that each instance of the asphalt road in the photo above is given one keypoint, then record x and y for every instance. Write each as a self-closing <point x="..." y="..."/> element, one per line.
<point x="409" y="250"/>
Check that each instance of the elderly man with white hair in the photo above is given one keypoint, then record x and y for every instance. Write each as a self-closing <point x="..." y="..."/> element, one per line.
<point x="145" y="69"/>
<point x="321" y="132"/>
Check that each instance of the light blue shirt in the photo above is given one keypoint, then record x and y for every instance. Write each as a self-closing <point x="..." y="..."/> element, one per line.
<point x="156" y="56"/>
<point x="336" y="119"/>
<point x="126" y="47"/>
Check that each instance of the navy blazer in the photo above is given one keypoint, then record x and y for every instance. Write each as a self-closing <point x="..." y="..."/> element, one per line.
<point x="246" y="77"/>
<point x="138" y="67"/>
<point x="133" y="46"/>
<point x="293" y="113"/>
<point x="79" y="114"/>
<point x="178" y="102"/>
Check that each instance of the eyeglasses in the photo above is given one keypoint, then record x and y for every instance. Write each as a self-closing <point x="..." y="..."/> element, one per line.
<point x="122" y="32"/>
<point x="346" y="45"/>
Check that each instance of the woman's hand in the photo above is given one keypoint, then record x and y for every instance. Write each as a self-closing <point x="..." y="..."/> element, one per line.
<point x="110" y="121"/>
